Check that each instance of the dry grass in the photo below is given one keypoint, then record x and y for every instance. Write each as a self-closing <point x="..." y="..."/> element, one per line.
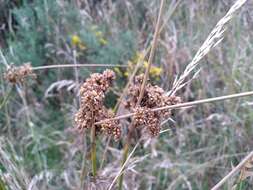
<point x="193" y="155"/>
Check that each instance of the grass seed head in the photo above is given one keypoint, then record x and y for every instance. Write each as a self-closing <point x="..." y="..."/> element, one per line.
<point x="18" y="74"/>
<point x="92" y="107"/>
<point x="154" y="97"/>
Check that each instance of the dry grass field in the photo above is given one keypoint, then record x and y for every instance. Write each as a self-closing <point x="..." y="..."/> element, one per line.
<point x="126" y="94"/>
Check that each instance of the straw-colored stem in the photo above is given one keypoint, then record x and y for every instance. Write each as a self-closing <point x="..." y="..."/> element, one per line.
<point x="123" y="166"/>
<point x="182" y="105"/>
<point x="75" y="65"/>
<point x="152" y="52"/>
<point x="151" y="56"/>
<point x="234" y="171"/>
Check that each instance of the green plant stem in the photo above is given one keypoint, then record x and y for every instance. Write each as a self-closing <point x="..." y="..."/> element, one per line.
<point x="2" y="185"/>
<point x="83" y="170"/>
<point x="125" y="154"/>
<point x="93" y="151"/>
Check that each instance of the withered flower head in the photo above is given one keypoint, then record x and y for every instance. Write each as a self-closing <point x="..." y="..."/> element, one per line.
<point x="153" y="97"/>
<point x="92" y="109"/>
<point x="18" y="74"/>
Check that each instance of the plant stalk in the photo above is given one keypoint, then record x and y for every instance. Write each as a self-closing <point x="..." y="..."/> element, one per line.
<point x="125" y="154"/>
<point x="93" y="151"/>
<point x="151" y="56"/>
<point x="75" y="66"/>
<point x="184" y="105"/>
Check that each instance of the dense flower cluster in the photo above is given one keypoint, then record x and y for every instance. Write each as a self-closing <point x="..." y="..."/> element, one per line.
<point x="92" y="109"/>
<point x="18" y="74"/>
<point x="153" y="97"/>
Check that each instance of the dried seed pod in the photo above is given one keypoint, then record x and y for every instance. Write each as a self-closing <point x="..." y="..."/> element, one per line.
<point x="92" y="109"/>
<point x="153" y="97"/>
<point x="18" y="74"/>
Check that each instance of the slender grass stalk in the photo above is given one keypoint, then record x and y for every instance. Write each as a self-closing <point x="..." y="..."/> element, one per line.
<point x="30" y="124"/>
<point x="93" y="151"/>
<point x="145" y="54"/>
<point x="183" y="105"/>
<point x="213" y="39"/>
<point x="125" y="154"/>
<point x="2" y="184"/>
<point x="151" y="56"/>
<point x="140" y="62"/>
<point x="152" y="52"/>
<point x="234" y="171"/>
<point x="123" y="166"/>
<point x="5" y="99"/>
<point x="104" y="152"/>
<point x="74" y="66"/>
<point x="83" y="169"/>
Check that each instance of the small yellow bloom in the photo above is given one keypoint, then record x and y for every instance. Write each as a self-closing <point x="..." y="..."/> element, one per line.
<point x="126" y="74"/>
<point x="155" y="71"/>
<point x="118" y="71"/>
<point x="145" y="64"/>
<point x="103" y="41"/>
<point x="75" y="40"/>
<point x="94" y="27"/>
<point x="99" y="34"/>
<point x="139" y="56"/>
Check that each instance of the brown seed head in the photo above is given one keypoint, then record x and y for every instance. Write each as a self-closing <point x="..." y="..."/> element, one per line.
<point x="153" y="97"/>
<point x="92" y="109"/>
<point x="18" y="74"/>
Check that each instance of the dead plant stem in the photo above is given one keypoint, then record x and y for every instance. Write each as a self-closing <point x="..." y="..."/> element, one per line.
<point x="186" y="104"/>
<point x="235" y="170"/>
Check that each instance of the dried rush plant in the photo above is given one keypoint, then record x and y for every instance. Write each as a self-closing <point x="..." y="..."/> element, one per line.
<point x="148" y="104"/>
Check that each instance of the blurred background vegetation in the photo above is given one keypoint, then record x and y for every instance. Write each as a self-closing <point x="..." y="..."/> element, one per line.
<point x="40" y="149"/>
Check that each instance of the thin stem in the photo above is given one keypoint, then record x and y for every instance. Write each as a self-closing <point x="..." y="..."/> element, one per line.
<point x="182" y="105"/>
<point x="236" y="169"/>
<point x="83" y="170"/>
<point x="140" y="61"/>
<point x="125" y="154"/>
<point x="104" y="153"/>
<point x="93" y="151"/>
<point x="151" y="56"/>
<point x="5" y="99"/>
<point x="152" y="52"/>
<point x="123" y="166"/>
<point x="75" y="65"/>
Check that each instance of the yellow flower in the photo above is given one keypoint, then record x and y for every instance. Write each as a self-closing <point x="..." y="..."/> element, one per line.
<point x="118" y="71"/>
<point x="139" y="56"/>
<point x="75" y="40"/>
<point x="126" y="74"/>
<point x="94" y="27"/>
<point x="98" y="34"/>
<point x="155" y="71"/>
<point x="145" y="64"/>
<point x="103" y="41"/>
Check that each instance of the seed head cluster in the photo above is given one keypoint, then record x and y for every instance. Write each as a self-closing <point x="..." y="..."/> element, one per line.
<point x="18" y="74"/>
<point x="153" y="97"/>
<point x="92" y="109"/>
